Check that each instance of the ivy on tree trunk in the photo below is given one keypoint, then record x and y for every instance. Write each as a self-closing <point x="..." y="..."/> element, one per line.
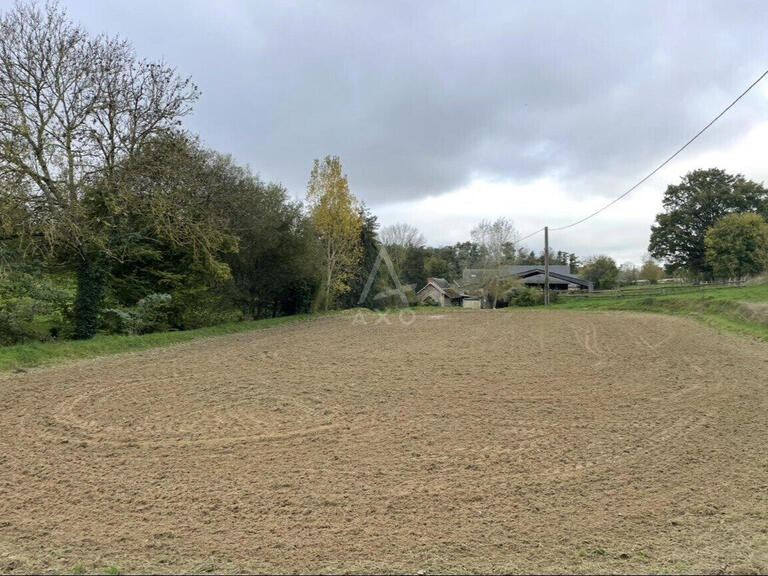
<point x="91" y="282"/>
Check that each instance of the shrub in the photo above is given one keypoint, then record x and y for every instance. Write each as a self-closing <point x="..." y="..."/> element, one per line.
<point x="32" y="307"/>
<point x="527" y="297"/>
<point x="116" y="321"/>
<point x="151" y="314"/>
<point x="191" y="310"/>
<point x="16" y="322"/>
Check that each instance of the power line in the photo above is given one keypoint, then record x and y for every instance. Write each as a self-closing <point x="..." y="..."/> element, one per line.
<point x="529" y="235"/>
<point x="668" y="160"/>
<point x="660" y="166"/>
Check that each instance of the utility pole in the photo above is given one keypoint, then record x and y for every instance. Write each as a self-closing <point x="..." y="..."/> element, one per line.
<point x="546" y="265"/>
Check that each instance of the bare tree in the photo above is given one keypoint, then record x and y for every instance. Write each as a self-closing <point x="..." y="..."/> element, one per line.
<point x="73" y="106"/>
<point x="628" y="273"/>
<point x="497" y="242"/>
<point x="400" y="239"/>
<point x="403" y="235"/>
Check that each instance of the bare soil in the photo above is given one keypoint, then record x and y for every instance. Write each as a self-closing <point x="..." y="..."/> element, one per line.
<point x="486" y="441"/>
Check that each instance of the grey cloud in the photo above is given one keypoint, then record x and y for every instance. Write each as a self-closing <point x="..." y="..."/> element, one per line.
<point x="417" y="98"/>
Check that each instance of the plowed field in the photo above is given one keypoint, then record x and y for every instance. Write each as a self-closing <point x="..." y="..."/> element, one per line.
<point x="486" y="441"/>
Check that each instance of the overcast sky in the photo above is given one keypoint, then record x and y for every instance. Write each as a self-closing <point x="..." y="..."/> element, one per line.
<point x="446" y="113"/>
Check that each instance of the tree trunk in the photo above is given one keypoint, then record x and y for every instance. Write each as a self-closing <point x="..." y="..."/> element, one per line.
<point x="253" y="309"/>
<point x="328" y="279"/>
<point x="91" y="282"/>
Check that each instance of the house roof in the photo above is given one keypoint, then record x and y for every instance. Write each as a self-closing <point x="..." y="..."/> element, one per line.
<point x="539" y="279"/>
<point x="556" y="268"/>
<point x="536" y="276"/>
<point x="475" y="274"/>
<point x="439" y="283"/>
<point x="532" y="274"/>
<point x="444" y="287"/>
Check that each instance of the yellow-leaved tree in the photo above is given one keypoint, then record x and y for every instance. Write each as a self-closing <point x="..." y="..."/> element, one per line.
<point x="336" y="217"/>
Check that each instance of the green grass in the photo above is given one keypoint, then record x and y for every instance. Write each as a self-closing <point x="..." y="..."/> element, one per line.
<point x="32" y="354"/>
<point x="742" y="309"/>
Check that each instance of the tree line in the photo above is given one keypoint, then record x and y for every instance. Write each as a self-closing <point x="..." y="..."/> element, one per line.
<point x="115" y="217"/>
<point x="106" y="197"/>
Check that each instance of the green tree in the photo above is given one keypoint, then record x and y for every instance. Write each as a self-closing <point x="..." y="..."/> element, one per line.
<point x="467" y="254"/>
<point x="168" y="233"/>
<point x="414" y="272"/>
<point x="276" y="260"/>
<point x="737" y="246"/>
<point x="692" y="207"/>
<point x="336" y="218"/>
<point x="651" y="271"/>
<point x="574" y="263"/>
<point x="370" y="246"/>
<point x="442" y="264"/>
<point x="72" y="108"/>
<point x="559" y="257"/>
<point x="26" y="292"/>
<point x="528" y="257"/>
<point x="601" y="270"/>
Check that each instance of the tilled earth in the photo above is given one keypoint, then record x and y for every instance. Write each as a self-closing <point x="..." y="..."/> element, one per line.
<point x="488" y="441"/>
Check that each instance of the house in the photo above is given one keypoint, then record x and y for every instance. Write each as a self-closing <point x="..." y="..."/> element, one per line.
<point x="560" y="277"/>
<point x="439" y="291"/>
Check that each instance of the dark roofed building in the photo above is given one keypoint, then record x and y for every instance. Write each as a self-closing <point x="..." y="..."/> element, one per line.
<point x="560" y="277"/>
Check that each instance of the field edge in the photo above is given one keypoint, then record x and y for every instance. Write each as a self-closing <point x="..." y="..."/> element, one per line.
<point x="37" y="354"/>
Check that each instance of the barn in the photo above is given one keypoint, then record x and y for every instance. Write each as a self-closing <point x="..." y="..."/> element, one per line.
<point x="560" y="276"/>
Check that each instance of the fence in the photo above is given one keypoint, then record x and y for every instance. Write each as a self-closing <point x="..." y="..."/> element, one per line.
<point x="652" y="290"/>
